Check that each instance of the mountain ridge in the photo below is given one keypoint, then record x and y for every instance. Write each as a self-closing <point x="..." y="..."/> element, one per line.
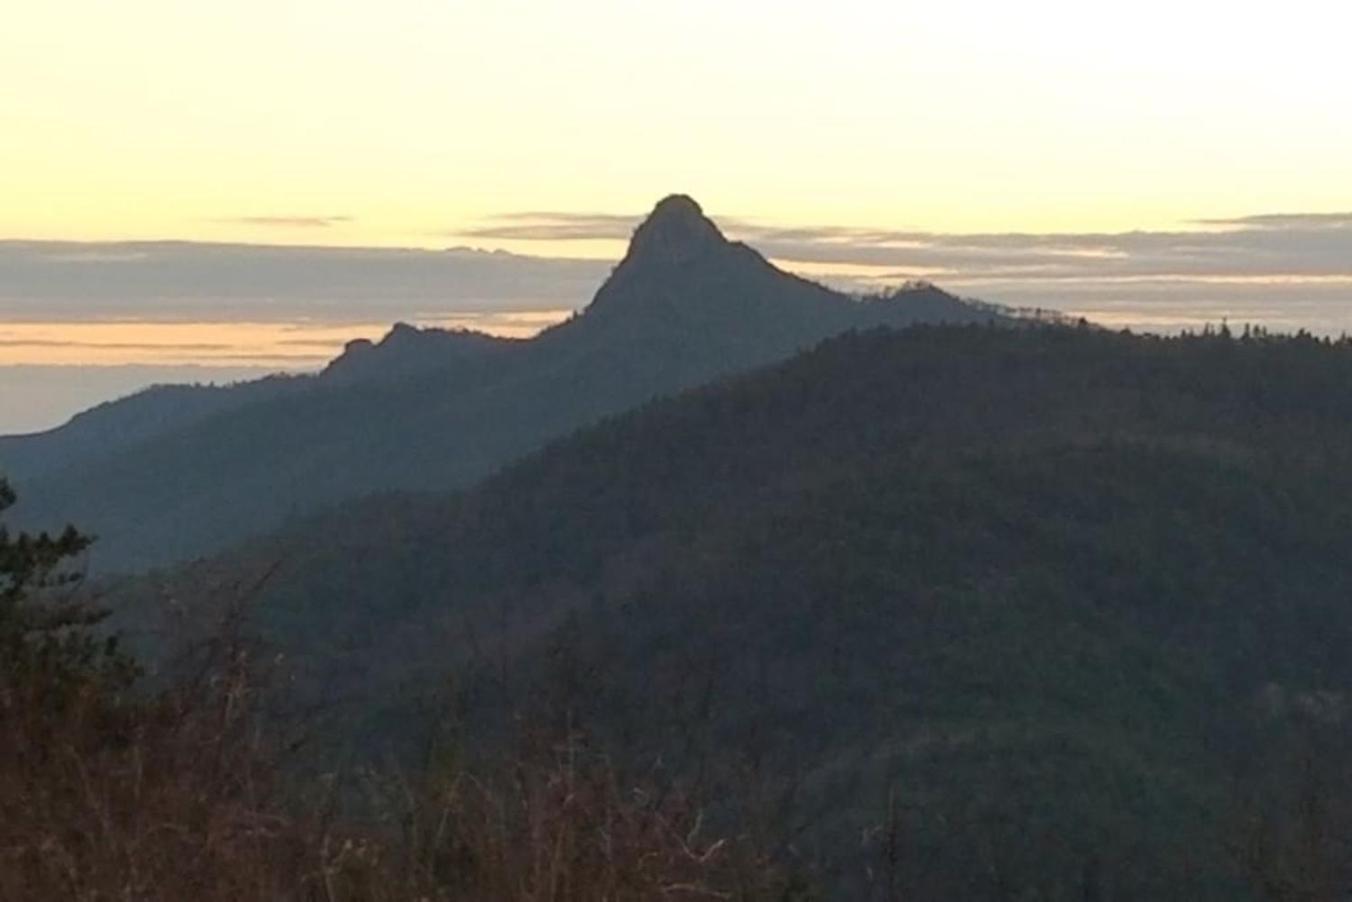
<point x="426" y="410"/>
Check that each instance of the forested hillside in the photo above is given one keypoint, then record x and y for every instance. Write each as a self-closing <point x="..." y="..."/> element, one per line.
<point x="178" y="473"/>
<point x="959" y="612"/>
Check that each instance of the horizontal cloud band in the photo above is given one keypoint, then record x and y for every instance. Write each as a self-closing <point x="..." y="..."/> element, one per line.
<point x="194" y="281"/>
<point x="1280" y="245"/>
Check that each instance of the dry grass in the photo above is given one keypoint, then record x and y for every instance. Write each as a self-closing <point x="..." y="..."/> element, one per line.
<point x="181" y="797"/>
<point x="560" y="825"/>
<point x="170" y="798"/>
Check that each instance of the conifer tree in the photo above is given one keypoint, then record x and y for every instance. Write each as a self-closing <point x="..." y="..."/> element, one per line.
<point x="50" y="648"/>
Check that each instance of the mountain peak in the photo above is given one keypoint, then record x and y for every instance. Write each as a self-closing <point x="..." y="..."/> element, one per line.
<point x="677" y="205"/>
<point x="676" y="231"/>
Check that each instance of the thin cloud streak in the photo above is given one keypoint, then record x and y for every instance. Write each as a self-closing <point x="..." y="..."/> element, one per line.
<point x="1286" y="220"/>
<point x="544" y="226"/>
<point x="112" y="345"/>
<point x="289" y="222"/>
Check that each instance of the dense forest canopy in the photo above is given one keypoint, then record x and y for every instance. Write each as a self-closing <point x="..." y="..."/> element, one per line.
<point x="1060" y="610"/>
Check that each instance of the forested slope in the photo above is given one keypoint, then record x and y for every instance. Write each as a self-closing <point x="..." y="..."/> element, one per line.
<point x="1059" y="610"/>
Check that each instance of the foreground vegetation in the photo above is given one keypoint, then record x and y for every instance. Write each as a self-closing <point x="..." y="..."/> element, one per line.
<point x="109" y="790"/>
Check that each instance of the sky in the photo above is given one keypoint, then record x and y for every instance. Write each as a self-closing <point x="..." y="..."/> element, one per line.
<point x="1155" y="164"/>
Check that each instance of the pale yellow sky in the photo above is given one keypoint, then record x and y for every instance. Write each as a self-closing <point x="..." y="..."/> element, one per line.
<point x="417" y="118"/>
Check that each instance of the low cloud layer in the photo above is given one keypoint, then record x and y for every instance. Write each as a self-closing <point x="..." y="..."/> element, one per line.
<point x="1280" y="247"/>
<point x="189" y="281"/>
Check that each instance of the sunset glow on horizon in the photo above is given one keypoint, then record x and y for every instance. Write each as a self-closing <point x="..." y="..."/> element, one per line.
<point x="276" y="345"/>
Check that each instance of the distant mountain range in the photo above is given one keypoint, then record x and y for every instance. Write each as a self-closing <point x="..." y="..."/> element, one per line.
<point x="178" y="472"/>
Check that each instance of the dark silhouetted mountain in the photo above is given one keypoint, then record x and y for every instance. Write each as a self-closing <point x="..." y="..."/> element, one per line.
<point x="408" y="351"/>
<point x="1025" y="600"/>
<point x="437" y="410"/>
<point x="116" y="426"/>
